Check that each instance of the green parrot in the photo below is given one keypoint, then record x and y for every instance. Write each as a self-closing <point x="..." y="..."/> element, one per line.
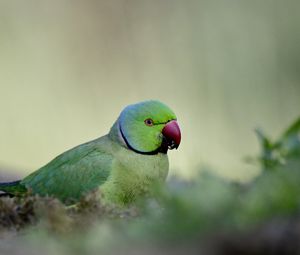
<point x="124" y="164"/>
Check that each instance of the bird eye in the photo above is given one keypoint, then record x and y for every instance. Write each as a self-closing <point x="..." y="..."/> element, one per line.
<point x="149" y="122"/>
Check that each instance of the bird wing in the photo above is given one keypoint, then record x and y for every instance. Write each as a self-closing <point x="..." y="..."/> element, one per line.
<point x="72" y="173"/>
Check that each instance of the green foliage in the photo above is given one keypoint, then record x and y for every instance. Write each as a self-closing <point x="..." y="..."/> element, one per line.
<point x="183" y="213"/>
<point x="275" y="153"/>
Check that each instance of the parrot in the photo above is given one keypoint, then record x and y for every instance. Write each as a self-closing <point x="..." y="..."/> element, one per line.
<point x="123" y="164"/>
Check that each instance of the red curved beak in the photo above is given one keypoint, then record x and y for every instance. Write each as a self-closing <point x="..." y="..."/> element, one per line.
<point x="172" y="133"/>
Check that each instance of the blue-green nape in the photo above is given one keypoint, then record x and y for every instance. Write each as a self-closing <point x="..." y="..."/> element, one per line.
<point x="141" y="125"/>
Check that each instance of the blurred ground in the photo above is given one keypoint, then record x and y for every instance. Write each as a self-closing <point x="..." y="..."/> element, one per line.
<point x="207" y="215"/>
<point x="67" y="68"/>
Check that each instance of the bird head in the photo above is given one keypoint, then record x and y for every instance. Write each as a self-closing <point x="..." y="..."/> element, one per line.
<point x="149" y="127"/>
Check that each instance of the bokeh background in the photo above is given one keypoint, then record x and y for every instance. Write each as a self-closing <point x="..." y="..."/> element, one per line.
<point x="67" y="68"/>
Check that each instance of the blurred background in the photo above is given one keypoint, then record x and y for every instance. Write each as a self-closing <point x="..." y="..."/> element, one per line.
<point x="67" y="69"/>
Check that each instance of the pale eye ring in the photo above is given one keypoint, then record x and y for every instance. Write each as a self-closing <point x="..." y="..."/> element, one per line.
<point x="149" y="122"/>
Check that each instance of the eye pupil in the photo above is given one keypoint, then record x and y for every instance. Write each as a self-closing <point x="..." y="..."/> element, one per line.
<point x="149" y="122"/>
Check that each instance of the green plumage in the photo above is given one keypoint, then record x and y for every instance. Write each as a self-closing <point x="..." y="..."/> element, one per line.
<point x="13" y="188"/>
<point x="73" y="173"/>
<point x="121" y="173"/>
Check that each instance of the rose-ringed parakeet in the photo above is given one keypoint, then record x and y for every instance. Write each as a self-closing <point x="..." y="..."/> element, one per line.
<point x="124" y="164"/>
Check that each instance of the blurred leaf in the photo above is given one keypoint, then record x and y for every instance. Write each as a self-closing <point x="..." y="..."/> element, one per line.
<point x="290" y="140"/>
<point x="293" y="130"/>
<point x="268" y="157"/>
<point x="276" y="153"/>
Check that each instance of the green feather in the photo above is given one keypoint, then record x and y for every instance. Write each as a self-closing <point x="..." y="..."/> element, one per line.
<point x="13" y="188"/>
<point x="73" y="173"/>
